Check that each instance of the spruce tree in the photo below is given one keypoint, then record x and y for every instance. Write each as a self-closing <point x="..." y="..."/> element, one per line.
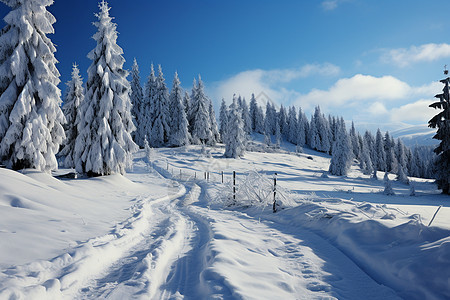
<point x="235" y="136"/>
<point x="200" y="119"/>
<point x="301" y="128"/>
<point x="246" y="117"/>
<point x="31" y="118"/>
<point x="213" y="122"/>
<point x="147" y="108"/>
<point x="137" y="97"/>
<point x="365" y="161"/>
<point x="380" y="153"/>
<point x="73" y="99"/>
<point x="160" y="128"/>
<point x="259" y="120"/>
<point x="282" y="122"/>
<point x="104" y="144"/>
<point x="253" y="112"/>
<point x="342" y="153"/>
<point x="179" y="135"/>
<point x="223" y="119"/>
<point x="441" y="121"/>
<point x="292" y="125"/>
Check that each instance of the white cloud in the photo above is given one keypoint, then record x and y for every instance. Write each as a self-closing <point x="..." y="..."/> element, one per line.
<point x="378" y="109"/>
<point x="423" y="53"/>
<point x="269" y="81"/>
<point x="330" y="4"/>
<point x="357" y="88"/>
<point x="417" y="112"/>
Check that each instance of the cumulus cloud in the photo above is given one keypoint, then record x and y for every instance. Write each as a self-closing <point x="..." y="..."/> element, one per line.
<point x="269" y="82"/>
<point x="416" y="112"/>
<point x="360" y="97"/>
<point x="423" y="53"/>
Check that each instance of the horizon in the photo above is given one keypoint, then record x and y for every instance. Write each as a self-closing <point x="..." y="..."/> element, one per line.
<point x="360" y="60"/>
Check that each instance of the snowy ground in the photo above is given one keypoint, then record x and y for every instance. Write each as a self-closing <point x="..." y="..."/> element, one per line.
<point x="165" y="233"/>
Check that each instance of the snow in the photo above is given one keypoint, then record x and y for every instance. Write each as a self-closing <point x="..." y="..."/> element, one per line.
<point x="162" y="231"/>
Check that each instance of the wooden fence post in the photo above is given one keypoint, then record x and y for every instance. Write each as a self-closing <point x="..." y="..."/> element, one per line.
<point x="234" y="186"/>
<point x="274" y="193"/>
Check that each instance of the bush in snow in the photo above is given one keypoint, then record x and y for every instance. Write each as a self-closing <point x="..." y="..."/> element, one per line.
<point x="388" y="186"/>
<point x="74" y="98"/>
<point x="31" y="119"/>
<point x="104" y="144"/>
<point x="255" y="189"/>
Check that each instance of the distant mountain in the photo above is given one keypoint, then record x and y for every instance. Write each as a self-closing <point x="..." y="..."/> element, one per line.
<point x="416" y="135"/>
<point x="411" y="135"/>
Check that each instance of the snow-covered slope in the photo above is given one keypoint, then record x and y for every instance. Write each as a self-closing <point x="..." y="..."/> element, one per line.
<point x="165" y="232"/>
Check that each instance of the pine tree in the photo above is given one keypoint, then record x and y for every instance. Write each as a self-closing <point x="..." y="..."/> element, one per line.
<point x="136" y="97"/>
<point x="441" y="121"/>
<point x="387" y="186"/>
<point x="223" y="119"/>
<point x="187" y="103"/>
<point x="292" y="125"/>
<point x="342" y="153"/>
<point x="269" y="121"/>
<point x="259" y="120"/>
<point x="104" y="144"/>
<point x="31" y="118"/>
<point x="278" y="135"/>
<point x="200" y="119"/>
<point x="380" y="161"/>
<point x="301" y="128"/>
<point x="235" y="136"/>
<point x="73" y="99"/>
<point x="320" y="132"/>
<point x="391" y="159"/>
<point x="354" y="141"/>
<point x="160" y="128"/>
<point x="282" y="122"/>
<point x="370" y="141"/>
<point x="253" y="112"/>
<point x="213" y="122"/>
<point x="246" y="117"/>
<point x="179" y="125"/>
<point x="147" y="108"/>
<point x="365" y="162"/>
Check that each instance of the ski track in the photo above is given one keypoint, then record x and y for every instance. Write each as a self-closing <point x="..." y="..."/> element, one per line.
<point x="180" y="249"/>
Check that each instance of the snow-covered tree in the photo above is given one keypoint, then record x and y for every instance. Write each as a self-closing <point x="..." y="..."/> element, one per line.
<point x="319" y="132"/>
<point x="282" y="122"/>
<point x="370" y="142"/>
<point x="137" y="98"/>
<point x="387" y="186"/>
<point x="441" y="121"/>
<point x="380" y="153"/>
<point x="213" y="122"/>
<point x="223" y="118"/>
<point x="104" y="144"/>
<point x="355" y="142"/>
<point x="147" y="107"/>
<point x="31" y="118"/>
<point x="253" y="112"/>
<point x="73" y="98"/>
<point x="270" y="119"/>
<point x="301" y="128"/>
<point x="200" y="119"/>
<point x="187" y="103"/>
<point x="246" y="117"/>
<point x="278" y="135"/>
<point x="160" y="128"/>
<point x="391" y="159"/>
<point x="259" y="120"/>
<point x="179" y="135"/>
<point x="365" y="162"/>
<point x="292" y="125"/>
<point x="342" y="152"/>
<point x="235" y="136"/>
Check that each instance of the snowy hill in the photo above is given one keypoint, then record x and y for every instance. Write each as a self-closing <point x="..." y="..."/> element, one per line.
<point x="174" y="231"/>
<point x="419" y="135"/>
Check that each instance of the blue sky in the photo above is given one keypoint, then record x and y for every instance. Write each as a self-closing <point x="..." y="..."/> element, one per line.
<point x="369" y="61"/>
